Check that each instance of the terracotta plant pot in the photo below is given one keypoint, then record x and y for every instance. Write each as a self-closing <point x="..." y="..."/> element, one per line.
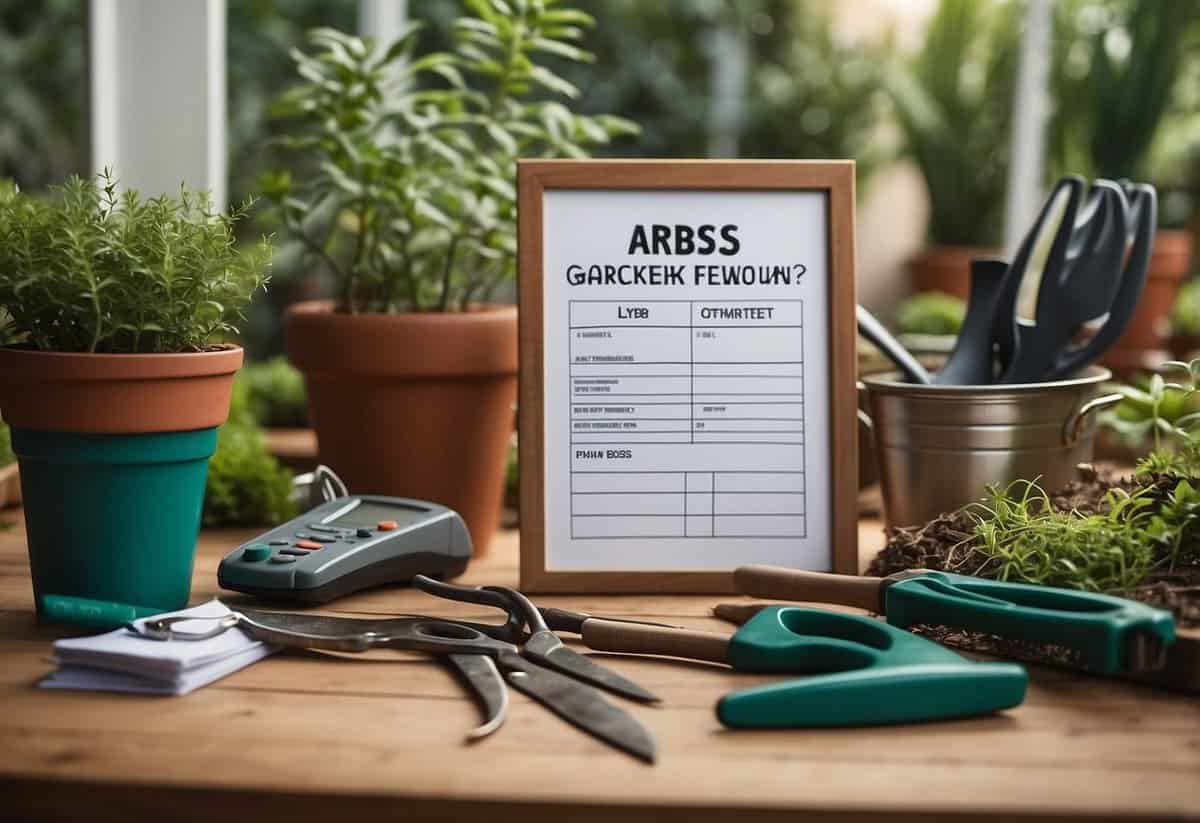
<point x="413" y="405"/>
<point x="113" y="451"/>
<point x="1144" y="342"/>
<point x="945" y="269"/>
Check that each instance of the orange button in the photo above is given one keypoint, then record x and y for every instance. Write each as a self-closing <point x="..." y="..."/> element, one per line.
<point x="308" y="544"/>
<point x="385" y="525"/>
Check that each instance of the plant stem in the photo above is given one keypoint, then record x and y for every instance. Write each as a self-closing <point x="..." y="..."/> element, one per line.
<point x="315" y="248"/>
<point x="446" y="270"/>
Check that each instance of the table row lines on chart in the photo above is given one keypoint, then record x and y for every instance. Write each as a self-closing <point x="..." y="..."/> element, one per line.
<point x="685" y="313"/>
<point x="698" y="525"/>
<point x="773" y="504"/>
<point x="686" y="410"/>
<point x="732" y="482"/>
<point x="693" y="368"/>
<point x="768" y="345"/>
<point x="725" y="436"/>
<point x="662" y="426"/>
<point x="724" y="385"/>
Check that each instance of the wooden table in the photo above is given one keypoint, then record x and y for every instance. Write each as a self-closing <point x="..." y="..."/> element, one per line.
<point x="301" y="736"/>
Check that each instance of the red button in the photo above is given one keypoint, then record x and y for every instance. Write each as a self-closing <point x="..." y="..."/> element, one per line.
<point x="385" y="525"/>
<point x="308" y="544"/>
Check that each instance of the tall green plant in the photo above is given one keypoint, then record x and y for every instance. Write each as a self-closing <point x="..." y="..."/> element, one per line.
<point x="954" y="104"/>
<point x="1116" y="73"/>
<point x="414" y="204"/>
<point x="817" y="94"/>
<point x="93" y="270"/>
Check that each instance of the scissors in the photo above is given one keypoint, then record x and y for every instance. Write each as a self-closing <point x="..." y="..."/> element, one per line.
<point x="476" y="650"/>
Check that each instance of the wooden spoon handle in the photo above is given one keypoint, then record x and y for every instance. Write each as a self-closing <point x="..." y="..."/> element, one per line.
<point x="615" y="636"/>
<point x="816" y="587"/>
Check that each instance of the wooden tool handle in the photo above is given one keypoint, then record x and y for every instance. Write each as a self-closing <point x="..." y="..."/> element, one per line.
<point x="614" y="636"/>
<point x="816" y="587"/>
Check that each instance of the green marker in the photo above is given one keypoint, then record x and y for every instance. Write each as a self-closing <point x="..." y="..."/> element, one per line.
<point x="100" y="614"/>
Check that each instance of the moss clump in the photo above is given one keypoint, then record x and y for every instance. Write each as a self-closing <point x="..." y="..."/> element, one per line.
<point x="246" y="484"/>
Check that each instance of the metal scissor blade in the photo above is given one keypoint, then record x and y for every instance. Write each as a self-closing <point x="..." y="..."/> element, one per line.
<point x="323" y="624"/>
<point x="547" y="649"/>
<point x="578" y="704"/>
<point x="481" y="674"/>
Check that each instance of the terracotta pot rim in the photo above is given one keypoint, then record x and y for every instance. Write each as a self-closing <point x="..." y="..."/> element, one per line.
<point x="41" y="366"/>
<point x="417" y="345"/>
<point x="479" y="312"/>
<point x="116" y="393"/>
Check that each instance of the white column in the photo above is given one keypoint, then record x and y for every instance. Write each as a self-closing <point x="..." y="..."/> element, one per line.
<point x="729" y="65"/>
<point x="158" y="93"/>
<point x="381" y="19"/>
<point x="1031" y="105"/>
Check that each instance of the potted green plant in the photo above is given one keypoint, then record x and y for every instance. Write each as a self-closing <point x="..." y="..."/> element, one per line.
<point x="411" y="370"/>
<point x="1121" y="69"/>
<point x="1185" y="322"/>
<point x="115" y="395"/>
<point x="954" y="105"/>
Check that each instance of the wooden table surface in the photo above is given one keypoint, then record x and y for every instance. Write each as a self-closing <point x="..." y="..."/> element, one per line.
<point x="304" y="736"/>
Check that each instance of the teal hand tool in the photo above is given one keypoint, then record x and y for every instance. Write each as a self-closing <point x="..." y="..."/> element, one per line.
<point x="98" y="614"/>
<point x="1110" y="634"/>
<point x="865" y="672"/>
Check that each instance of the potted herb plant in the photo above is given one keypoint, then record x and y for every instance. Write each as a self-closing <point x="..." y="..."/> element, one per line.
<point x="115" y="394"/>
<point x="1121" y="70"/>
<point x="954" y="106"/>
<point x="411" y="370"/>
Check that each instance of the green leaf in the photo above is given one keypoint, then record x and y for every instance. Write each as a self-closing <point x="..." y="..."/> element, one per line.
<point x="566" y="50"/>
<point x="553" y="82"/>
<point x="502" y="137"/>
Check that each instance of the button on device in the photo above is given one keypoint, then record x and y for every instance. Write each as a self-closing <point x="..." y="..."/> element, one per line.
<point x="295" y="552"/>
<point x="281" y="542"/>
<point x="363" y="533"/>
<point x="307" y="544"/>
<point x="322" y="539"/>
<point x="283" y="558"/>
<point x="386" y="525"/>
<point x="303" y="536"/>
<point x="256" y="552"/>
<point x="319" y="528"/>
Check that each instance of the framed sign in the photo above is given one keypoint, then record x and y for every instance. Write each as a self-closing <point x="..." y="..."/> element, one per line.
<point x="687" y="400"/>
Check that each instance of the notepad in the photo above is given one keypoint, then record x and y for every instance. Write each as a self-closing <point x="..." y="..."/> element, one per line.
<point x="123" y="661"/>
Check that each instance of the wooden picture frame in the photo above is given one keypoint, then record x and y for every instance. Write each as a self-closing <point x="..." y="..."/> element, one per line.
<point x="538" y="180"/>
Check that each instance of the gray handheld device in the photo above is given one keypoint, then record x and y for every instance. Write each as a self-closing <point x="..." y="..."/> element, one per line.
<point x="347" y="544"/>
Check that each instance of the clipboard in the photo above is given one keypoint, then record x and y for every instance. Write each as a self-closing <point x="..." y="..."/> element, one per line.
<point x="687" y="372"/>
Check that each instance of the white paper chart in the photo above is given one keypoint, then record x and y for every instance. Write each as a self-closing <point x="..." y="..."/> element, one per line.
<point x="686" y="371"/>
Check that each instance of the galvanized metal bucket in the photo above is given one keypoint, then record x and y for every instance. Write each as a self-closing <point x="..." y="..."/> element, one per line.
<point x="940" y="447"/>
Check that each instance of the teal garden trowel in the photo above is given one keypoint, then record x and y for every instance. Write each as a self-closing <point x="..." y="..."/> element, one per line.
<point x="864" y="672"/>
<point x="1109" y="634"/>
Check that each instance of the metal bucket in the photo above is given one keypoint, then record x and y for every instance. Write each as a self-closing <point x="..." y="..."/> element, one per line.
<point x="940" y="447"/>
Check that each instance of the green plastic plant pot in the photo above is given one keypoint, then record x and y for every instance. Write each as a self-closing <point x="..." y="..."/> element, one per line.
<point x="113" y="517"/>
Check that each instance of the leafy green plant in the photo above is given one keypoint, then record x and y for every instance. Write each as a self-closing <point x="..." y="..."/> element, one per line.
<point x="1185" y="313"/>
<point x="1025" y="539"/>
<point x="1118" y="71"/>
<point x="94" y="270"/>
<point x="1151" y="408"/>
<point x="931" y="313"/>
<point x="954" y="104"/>
<point x="246" y="485"/>
<point x="271" y="393"/>
<point x="43" y="91"/>
<point x="815" y="93"/>
<point x="413" y="206"/>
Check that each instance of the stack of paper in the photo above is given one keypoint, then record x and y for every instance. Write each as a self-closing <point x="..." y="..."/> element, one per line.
<point x="124" y="661"/>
